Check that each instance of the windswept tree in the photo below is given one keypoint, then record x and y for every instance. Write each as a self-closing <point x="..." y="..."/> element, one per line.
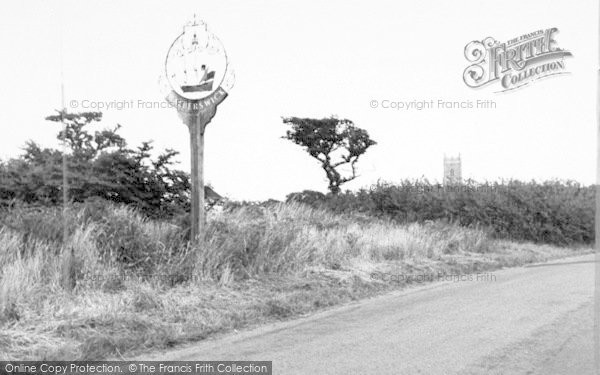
<point x="334" y="142"/>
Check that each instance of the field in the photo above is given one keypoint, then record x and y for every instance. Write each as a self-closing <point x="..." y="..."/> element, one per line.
<point x="122" y="283"/>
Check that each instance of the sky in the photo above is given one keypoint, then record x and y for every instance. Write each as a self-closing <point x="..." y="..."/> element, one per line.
<point x="311" y="59"/>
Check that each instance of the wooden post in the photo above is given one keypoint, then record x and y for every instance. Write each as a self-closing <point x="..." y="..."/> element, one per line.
<point x="196" y="117"/>
<point x="196" y="114"/>
<point x="196" y="125"/>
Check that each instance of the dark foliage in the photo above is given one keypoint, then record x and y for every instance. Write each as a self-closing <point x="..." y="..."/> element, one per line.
<point x="555" y="212"/>
<point x="333" y="142"/>
<point x="101" y="165"/>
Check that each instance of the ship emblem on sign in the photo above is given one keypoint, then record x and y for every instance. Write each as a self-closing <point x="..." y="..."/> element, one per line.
<point x="204" y="81"/>
<point x="196" y="65"/>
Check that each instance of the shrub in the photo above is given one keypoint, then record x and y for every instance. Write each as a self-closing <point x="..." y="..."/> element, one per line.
<point x="553" y="212"/>
<point x="100" y="165"/>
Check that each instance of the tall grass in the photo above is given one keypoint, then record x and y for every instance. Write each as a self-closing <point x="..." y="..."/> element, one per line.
<point x="122" y="282"/>
<point x="245" y="242"/>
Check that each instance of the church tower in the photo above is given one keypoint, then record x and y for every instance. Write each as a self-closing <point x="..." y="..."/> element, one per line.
<point x="452" y="170"/>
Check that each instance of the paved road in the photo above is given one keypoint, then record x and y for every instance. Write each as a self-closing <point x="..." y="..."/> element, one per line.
<point x="529" y="320"/>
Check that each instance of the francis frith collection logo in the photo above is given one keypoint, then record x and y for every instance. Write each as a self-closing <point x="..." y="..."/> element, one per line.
<point x="514" y="63"/>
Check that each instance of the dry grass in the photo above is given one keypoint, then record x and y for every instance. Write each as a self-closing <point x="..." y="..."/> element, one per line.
<point x="258" y="264"/>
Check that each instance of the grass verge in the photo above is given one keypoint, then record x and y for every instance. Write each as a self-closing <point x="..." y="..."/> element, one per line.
<point x="123" y="284"/>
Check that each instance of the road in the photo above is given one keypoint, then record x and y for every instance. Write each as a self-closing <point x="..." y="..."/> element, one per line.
<point x="526" y="320"/>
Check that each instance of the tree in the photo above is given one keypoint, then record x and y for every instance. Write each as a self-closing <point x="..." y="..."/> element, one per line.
<point x="333" y="142"/>
<point x="100" y="164"/>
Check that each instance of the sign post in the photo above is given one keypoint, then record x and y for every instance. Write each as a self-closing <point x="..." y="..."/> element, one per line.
<point x="199" y="77"/>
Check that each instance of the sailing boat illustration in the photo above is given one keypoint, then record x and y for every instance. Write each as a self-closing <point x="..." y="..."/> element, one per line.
<point x="198" y="80"/>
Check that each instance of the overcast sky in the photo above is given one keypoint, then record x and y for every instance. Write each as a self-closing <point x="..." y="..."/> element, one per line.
<point x="312" y="58"/>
